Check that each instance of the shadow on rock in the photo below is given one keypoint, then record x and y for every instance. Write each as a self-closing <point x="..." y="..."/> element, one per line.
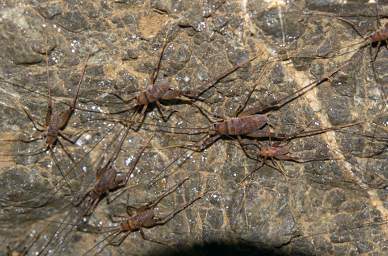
<point x="225" y="249"/>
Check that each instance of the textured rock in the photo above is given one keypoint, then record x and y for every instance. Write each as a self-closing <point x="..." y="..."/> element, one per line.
<point x="319" y="208"/>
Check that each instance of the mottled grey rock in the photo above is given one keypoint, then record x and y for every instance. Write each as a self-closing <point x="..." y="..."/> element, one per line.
<point x="285" y="207"/>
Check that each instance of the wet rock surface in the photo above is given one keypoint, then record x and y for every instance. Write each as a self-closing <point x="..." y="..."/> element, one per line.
<point x="335" y="207"/>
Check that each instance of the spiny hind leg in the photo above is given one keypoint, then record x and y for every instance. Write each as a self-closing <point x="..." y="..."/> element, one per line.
<point x="241" y="143"/>
<point x="172" y="111"/>
<point x="279" y="167"/>
<point x="207" y="142"/>
<point x="373" y="59"/>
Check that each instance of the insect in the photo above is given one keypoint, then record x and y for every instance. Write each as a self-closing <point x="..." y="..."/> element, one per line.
<point x="153" y="94"/>
<point x="246" y="123"/>
<point x="250" y="123"/>
<point x="160" y="90"/>
<point x="279" y="150"/>
<point x="52" y="130"/>
<point x="378" y="38"/>
<point x="108" y="179"/>
<point x="375" y="39"/>
<point x="56" y="122"/>
<point x="144" y="218"/>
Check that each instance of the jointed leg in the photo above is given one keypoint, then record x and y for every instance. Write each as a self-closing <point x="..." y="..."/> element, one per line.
<point x="120" y="144"/>
<point x="160" y="108"/>
<point x="206" y="113"/>
<point x="136" y="160"/>
<point x="159" y="176"/>
<point x="34" y="153"/>
<point x="155" y="73"/>
<point x="376" y="53"/>
<point x="77" y="136"/>
<point x="50" y="100"/>
<point x="168" y="192"/>
<point x="253" y="171"/>
<point x="278" y="167"/>
<point x="242" y="106"/>
<point x="239" y="139"/>
<point x="142" y="117"/>
<point x="59" y="168"/>
<point x="168" y="217"/>
<point x="28" y="141"/>
<point x="268" y="134"/>
<point x="373" y="59"/>
<point x="122" y="99"/>
<point x="72" y="107"/>
<point x="32" y="119"/>
<point x="66" y="152"/>
<point x="207" y="142"/>
<point x="113" y="218"/>
<point x="285" y="100"/>
<point x="299" y="160"/>
<point x="92" y="207"/>
<point x="220" y="77"/>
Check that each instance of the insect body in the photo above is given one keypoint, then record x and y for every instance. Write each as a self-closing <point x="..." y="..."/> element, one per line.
<point x="380" y="35"/>
<point x="280" y="150"/>
<point x="244" y="125"/>
<point x="250" y="122"/>
<point x="144" y="218"/>
<point x="108" y="179"/>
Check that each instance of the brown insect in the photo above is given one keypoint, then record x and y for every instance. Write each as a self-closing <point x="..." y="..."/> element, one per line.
<point x="144" y="218"/>
<point x="250" y="123"/>
<point x="154" y="93"/>
<point x="280" y="150"/>
<point x="55" y="124"/>
<point x="158" y="91"/>
<point x="245" y="124"/>
<point x="376" y="39"/>
<point x="108" y="179"/>
<point x="380" y="36"/>
<point x="277" y="151"/>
